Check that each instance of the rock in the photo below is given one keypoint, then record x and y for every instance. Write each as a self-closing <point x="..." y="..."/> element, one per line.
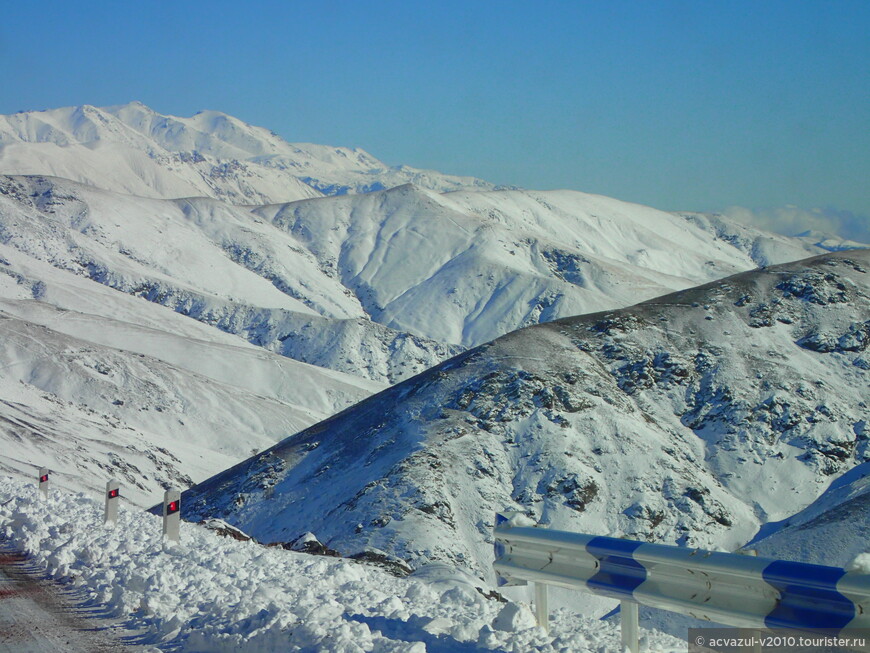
<point x="391" y="564"/>
<point x="308" y="543"/>
<point x="225" y="530"/>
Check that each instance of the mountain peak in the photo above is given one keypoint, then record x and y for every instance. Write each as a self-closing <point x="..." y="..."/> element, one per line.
<point x="210" y="153"/>
<point x="657" y="422"/>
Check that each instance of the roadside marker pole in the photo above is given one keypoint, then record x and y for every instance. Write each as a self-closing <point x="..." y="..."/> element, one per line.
<point x="171" y="515"/>
<point x="43" y="483"/>
<point x="113" y="497"/>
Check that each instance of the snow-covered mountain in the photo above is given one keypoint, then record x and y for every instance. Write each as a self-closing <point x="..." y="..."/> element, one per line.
<point x="133" y="149"/>
<point x="95" y="383"/>
<point x="721" y="415"/>
<point x="440" y="271"/>
<point x="211" y="261"/>
<point x="383" y="284"/>
<point x="695" y="418"/>
<point x="467" y="267"/>
<point x="832" y="530"/>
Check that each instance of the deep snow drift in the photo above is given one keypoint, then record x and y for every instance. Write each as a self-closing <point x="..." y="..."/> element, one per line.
<point x="694" y="418"/>
<point x="213" y="593"/>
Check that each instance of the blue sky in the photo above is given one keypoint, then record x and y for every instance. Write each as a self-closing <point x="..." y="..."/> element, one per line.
<point x="679" y="105"/>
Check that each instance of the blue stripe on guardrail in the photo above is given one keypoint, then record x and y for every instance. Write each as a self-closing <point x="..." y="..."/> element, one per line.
<point x="498" y="546"/>
<point x="619" y="573"/>
<point x="809" y="597"/>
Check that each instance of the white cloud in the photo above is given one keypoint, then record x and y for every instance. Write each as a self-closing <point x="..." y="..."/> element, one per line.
<point x="793" y="220"/>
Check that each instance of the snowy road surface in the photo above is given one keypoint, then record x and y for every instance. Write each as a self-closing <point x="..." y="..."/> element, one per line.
<point x="35" y="617"/>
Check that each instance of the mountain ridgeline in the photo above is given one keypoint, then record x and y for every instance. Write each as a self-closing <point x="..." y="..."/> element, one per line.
<point x="384" y="277"/>
<point x="177" y="294"/>
<point x="133" y="149"/>
<point x="695" y="418"/>
<point x="380" y="285"/>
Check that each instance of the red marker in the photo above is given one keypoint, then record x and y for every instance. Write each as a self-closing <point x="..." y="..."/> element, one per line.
<point x="173" y="507"/>
<point x="114" y="494"/>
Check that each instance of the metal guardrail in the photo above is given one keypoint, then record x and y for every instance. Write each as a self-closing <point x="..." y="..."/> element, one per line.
<point x="727" y="588"/>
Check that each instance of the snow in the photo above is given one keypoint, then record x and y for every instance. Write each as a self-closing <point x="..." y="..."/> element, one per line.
<point x="692" y="419"/>
<point x="210" y="261"/>
<point x="179" y="294"/>
<point x="96" y="383"/>
<point x="861" y="564"/>
<point x="451" y="269"/>
<point x="133" y="149"/>
<point x="486" y="263"/>
<point x="833" y="530"/>
<point x="513" y="617"/>
<point x="217" y="594"/>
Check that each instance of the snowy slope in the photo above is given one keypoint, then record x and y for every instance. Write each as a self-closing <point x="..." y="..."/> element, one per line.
<point x="766" y="248"/>
<point x="95" y="383"/>
<point x="692" y="418"/>
<point x="832" y="530"/>
<point x="406" y="274"/>
<point x="210" y="261"/>
<point x="508" y="259"/>
<point x="133" y="149"/>
<point x="215" y="594"/>
<point x="382" y="284"/>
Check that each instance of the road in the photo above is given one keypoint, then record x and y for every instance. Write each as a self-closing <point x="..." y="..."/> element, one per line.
<point x="40" y="616"/>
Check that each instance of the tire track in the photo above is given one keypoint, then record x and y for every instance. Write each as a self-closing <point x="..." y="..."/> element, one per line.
<point x="38" y="616"/>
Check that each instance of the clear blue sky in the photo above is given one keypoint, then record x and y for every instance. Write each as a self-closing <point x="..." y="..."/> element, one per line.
<point x="680" y="105"/>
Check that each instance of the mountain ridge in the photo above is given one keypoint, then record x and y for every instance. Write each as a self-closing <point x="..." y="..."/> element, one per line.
<point x="542" y="420"/>
<point x="132" y="148"/>
<point x="408" y="274"/>
<point x="393" y="272"/>
<point x="95" y="383"/>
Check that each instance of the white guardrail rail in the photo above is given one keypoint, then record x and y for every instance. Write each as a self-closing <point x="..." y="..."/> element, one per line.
<point x="727" y="588"/>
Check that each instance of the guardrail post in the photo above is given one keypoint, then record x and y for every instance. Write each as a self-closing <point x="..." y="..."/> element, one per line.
<point x="542" y="611"/>
<point x="752" y="635"/>
<point x="171" y="514"/>
<point x="630" y="626"/>
<point x="43" y="483"/>
<point x="113" y="497"/>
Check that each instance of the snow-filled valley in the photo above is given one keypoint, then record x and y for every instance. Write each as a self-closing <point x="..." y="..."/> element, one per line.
<point x="309" y="341"/>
